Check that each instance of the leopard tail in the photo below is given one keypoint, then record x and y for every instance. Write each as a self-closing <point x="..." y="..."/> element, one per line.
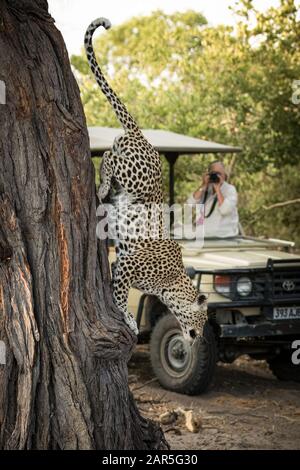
<point x="125" y="118"/>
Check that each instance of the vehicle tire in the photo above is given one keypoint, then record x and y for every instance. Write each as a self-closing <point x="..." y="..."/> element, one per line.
<point x="283" y="368"/>
<point x="178" y="366"/>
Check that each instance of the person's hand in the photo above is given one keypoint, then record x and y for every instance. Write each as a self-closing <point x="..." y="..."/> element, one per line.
<point x="203" y="187"/>
<point x="217" y="186"/>
<point x="205" y="180"/>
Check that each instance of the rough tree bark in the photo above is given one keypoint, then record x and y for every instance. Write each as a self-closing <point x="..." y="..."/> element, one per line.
<point x="64" y="385"/>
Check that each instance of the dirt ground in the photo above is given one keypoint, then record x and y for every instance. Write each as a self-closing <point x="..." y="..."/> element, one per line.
<point x="246" y="407"/>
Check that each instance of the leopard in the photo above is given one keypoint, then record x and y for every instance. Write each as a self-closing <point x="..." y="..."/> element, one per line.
<point x="131" y="171"/>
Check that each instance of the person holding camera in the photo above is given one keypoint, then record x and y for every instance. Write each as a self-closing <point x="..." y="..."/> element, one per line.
<point x="220" y="203"/>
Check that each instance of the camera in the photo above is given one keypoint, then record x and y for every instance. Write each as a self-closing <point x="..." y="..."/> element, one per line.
<point x="214" y="177"/>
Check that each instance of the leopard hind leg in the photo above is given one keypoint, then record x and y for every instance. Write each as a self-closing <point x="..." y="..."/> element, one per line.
<point x="106" y="174"/>
<point x="123" y="274"/>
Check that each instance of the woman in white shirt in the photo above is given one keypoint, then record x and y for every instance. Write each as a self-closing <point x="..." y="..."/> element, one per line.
<point x="220" y="203"/>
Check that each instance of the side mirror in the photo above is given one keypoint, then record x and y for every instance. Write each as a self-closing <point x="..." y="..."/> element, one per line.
<point x="190" y="272"/>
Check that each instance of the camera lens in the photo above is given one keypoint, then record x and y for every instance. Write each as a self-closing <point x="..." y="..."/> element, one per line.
<point x="214" y="177"/>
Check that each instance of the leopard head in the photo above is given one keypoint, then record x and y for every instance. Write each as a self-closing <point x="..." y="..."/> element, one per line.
<point x="190" y="315"/>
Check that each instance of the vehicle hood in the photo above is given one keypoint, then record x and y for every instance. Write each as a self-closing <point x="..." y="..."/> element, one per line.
<point x="234" y="259"/>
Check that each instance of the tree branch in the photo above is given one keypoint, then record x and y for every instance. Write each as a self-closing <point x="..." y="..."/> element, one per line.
<point x="281" y="204"/>
<point x="276" y="205"/>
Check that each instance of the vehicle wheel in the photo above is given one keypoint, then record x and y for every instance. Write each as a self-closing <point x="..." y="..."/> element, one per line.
<point x="283" y="368"/>
<point x="177" y="365"/>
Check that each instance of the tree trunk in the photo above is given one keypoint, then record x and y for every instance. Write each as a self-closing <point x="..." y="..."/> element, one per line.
<point x="64" y="384"/>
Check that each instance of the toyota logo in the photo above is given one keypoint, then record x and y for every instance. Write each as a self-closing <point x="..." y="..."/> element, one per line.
<point x="288" y="285"/>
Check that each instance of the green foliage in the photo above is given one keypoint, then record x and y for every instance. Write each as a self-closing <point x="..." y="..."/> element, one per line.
<point x="234" y="86"/>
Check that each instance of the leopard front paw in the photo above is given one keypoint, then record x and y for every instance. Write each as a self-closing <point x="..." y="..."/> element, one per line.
<point x="130" y="321"/>
<point x="102" y="193"/>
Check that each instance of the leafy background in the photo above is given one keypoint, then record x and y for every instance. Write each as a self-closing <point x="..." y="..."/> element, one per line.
<point x="231" y="85"/>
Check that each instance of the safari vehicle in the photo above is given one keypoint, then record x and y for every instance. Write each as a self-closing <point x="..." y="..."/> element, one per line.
<point x="253" y="286"/>
<point x="254" y="308"/>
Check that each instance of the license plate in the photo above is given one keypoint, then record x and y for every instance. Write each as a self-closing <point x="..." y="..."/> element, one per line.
<point x="286" y="313"/>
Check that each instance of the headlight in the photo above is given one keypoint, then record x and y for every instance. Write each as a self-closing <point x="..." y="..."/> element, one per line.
<point x="222" y="285"/>
<point x="244" y="286"/>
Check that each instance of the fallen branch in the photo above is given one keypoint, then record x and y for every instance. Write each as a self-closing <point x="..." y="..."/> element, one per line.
<point x="243" y="413"/>
<point x="144" y="384"/>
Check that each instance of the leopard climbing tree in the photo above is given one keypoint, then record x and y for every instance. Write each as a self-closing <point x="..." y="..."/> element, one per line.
<point x="63" y="384"/>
